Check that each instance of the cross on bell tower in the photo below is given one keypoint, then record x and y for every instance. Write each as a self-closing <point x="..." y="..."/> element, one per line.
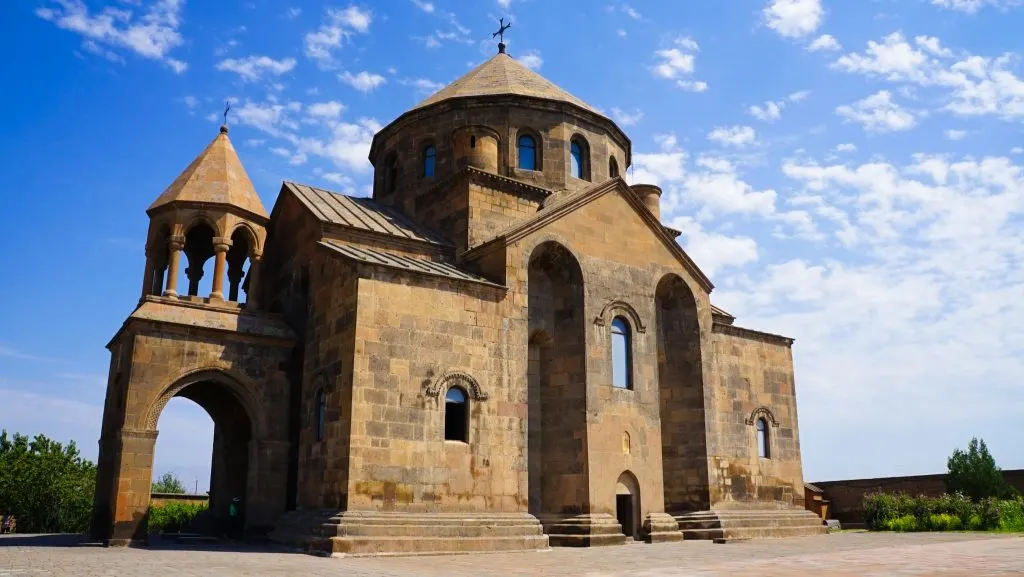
<point x="502" y="27"/>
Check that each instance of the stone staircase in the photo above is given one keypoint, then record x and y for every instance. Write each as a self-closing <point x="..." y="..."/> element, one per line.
<point x="749" y="523"/>
<point x="359" y="533"/>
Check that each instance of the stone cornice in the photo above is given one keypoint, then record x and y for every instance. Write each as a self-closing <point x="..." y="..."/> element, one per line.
<point x="735" y="331"/>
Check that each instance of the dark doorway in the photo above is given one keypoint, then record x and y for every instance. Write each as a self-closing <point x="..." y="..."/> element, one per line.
<point x="624" y="513"/>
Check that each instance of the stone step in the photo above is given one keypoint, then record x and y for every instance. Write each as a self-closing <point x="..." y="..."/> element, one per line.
<point x="367" y="546"/>
<point x="737" y="533"/>
<point x="749" y="523"/>
<point x="353" y="529"/>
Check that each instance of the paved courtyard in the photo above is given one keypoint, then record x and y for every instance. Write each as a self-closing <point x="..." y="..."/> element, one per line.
<point x="860" y="554"/>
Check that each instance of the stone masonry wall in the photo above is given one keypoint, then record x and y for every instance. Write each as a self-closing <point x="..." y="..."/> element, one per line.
<point x="329" y="351"/>
<point x="754" y="371"/>
<point x="622" y="261"/>
<point x="410" y="331"/>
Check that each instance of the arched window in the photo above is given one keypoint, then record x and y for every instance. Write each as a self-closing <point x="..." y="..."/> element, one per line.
<point x="762" y="439"/>
<point x="613" y="167"/>
<point x="527" y="152"/>
<point x="456" y="415"/>
<point x="429" y="156"/>
<point x="576" y="162"/>
<point x="321" y="414"/>
<point x="621" y="354"/>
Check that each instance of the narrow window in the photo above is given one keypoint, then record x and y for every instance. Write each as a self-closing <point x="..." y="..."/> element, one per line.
<point x="613" y="167"/>
<point x="472" y="141"/>
<point x="456" y="416"/>
<point x="527" y="152"/>
<point x="429" y="155"/>
<point x="576" y="162"/>
<point x="621" y="361"/>
<point x="321" y="414"/>
<point x="762" y="439"/>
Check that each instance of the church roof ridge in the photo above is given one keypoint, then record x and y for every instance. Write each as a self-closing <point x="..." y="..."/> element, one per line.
<point x="216" y="176"/>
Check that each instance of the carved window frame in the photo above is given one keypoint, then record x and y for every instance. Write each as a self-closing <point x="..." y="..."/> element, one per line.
<point x="771" y="423"/>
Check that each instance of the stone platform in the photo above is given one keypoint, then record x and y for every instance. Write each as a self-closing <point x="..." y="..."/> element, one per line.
<point x="366" y="533"/>
<point x="734" y="524"/>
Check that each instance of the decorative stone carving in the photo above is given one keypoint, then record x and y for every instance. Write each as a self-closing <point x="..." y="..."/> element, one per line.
<point x="455" y="377"/>
<point x="762" y="412"/>
<point x="614" y="309"/>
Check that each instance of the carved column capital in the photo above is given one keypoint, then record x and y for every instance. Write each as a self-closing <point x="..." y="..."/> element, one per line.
<point x="221" y="244"/>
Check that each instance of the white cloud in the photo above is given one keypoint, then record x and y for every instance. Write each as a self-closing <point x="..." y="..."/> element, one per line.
<point x="878" y="113"/>
<point x="659" y="167"/>
<point x="427" y="7"/>
<point x="692" y="85"/>
<point x="621" y="33"/>
<point x="531" y="59"/>
<point x="738" y="136"/>
<point x="825" y="42"/>
<point x="423" y="86"/>
<point x="846" y="147"/>
<point x="677" y="64"/>
<point x="153" y="34"/>
<point x="504" y="3"/>
<point x="1017" y="150"/>
<point x="714" y="251"/>
<point x="799" y="96"/>
<point x="337" y="26"/>
<point x="973" y="85"/>
<point x="770" y="111"/>
<point x="627" y="118"/>
<point x="631" y="12"/>
<point x="363" y="81"/>
<point x="252" y="68"/>
<point x="956" y="134"/>
<point x="793" y="18"/>
<point x="347" y="146"/>
<point x="973" y="6"/>
<point x="331" y="109"/>
<point x="190" y="101"/>
<point x="294" y="12"/>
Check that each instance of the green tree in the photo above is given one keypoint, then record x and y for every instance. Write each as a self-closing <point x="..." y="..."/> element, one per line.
<point x="48" y="486"/>
<point x="168" y="483"/>
<point x="975" y="473"/>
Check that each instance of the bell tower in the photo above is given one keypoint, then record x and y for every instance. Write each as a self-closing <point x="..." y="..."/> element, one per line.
<point x="217" y="349"/>
<point x="210" y="211"/>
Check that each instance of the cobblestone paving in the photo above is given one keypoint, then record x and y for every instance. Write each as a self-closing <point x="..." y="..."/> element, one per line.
<point x="845" y="554"/>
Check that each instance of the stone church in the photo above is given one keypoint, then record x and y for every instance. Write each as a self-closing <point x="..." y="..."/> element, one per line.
<point x="503" y="349"/>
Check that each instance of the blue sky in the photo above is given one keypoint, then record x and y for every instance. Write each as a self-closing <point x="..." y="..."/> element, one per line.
<point x="848" y="173"/>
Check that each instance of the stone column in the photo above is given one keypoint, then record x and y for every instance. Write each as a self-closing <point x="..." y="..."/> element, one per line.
<point x="175" y="244"/>
<point x="134" y="466"/>
<point x="255" y="260"/>
<point x="147" y="276"/>
<point x="220" y="251"/>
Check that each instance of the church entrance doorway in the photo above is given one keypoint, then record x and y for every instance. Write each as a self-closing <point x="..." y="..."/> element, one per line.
<point x="627" y="505"/>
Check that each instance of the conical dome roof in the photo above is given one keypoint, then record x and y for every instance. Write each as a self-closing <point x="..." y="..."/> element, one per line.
<point x="502" y="75"/>
<point x="216" y="176"/>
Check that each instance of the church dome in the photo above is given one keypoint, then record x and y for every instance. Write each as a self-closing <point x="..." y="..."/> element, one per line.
<point x="503" y="75"/>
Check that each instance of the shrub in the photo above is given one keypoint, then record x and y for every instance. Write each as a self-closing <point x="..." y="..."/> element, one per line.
<point x="944" y="522"/>
<point x="906" y="523"/>
<point x="894" y="512"/>
<point x="173" y="517"/>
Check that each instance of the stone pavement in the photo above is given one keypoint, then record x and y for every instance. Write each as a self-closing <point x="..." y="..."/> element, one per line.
<point x="860" y="554"/>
